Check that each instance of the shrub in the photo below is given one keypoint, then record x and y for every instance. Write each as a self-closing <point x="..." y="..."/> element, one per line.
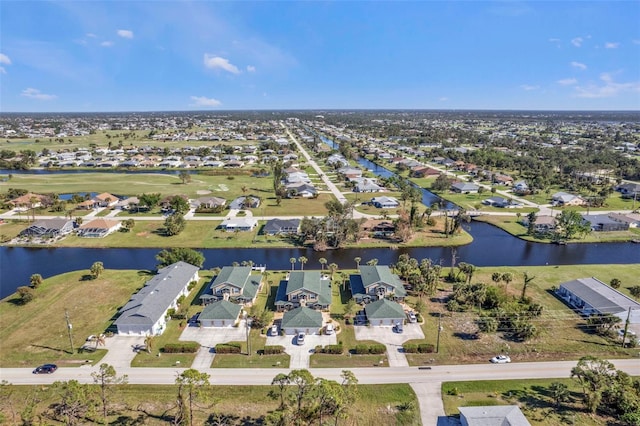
<point x="410" y="348"/>
<point x="332" y="349"/>
<point x="377" y="349"/>
<point x="181" y="348"/>
<point x="361" y="349"/>
<point x="228" y="348"/>
<point x="273" y="350"/>
<point x="425" y="348"/>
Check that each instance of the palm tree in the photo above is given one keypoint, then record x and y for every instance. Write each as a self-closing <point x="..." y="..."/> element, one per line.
<point x="507" y="277"/>
<point x="357" y="260"/>
<point x="372" y="262"/>
<point x="35" y="280"/>
<point x="527" y="280"/>
<point x="148" y="343"/>
<point x="333" y="267"/>
<point x="323" y="262"/>
<point x="293" y="262"/>
<point x="496" y="277"/>
<point x="97" y="269"/>
<point x="302" y="261"/>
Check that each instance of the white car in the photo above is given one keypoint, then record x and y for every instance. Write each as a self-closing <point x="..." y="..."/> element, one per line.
<point x="500" y="359"/>
<point x="412" y="317"/>
<point x="328" y="329"/>
<point x="274" y="330"/>
<point x="300" y="339"/>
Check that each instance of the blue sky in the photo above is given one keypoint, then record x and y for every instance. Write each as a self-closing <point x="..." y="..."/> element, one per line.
<point x="168" y="55"/>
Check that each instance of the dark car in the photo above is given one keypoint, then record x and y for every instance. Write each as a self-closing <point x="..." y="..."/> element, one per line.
<point x="45" y="369"/>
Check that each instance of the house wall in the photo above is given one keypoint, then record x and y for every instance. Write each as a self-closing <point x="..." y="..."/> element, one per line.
<point x="217" y="323"/>
<point x="293" y="331"/>
<point x="385" y="321"/>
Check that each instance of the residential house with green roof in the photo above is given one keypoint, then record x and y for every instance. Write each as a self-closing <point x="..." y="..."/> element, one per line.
<point x="376" y="282"/>
<point x="220" y="314"/>
<point x="384" y="312"/>
<point x="301" y="320"/>
<point x="304" y="288"/>
<point x="234" y="283"/>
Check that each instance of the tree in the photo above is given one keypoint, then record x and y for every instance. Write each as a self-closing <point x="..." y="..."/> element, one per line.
<point x="350" y="308"/>
<point x="179" y="204"/>
<point x="527" y="280"/>
<point x="149" y="200"/>
<point x="293" y="262"/>
<point x="604" y="323"/>
<point x="302" y="261"/>
<point x="496" y="277"/>
<point x="281" y="381"/>
<point x="635" y="291"/>
<point x="192" y="386"/>
<point x="615" y="283"/>
<point x="35" y="280"/>
<point x="570" y="223"/>
<point x="75" y="401"/>
<point x="372" y="262"/>
<point x="507" y="277"/>
<point x="531" y="223"/>
<point x="96" y="269"/>
<point x="170" y="256"/>
<point x="442" y="183"/>
<point x="357" y="260"/>
<point x="323" y="262"/>
<point x="559" y="393"/>
<point x="148" y="342"/>
<point x="184" y="176"/>
<point x="594" y="375"/>
<point x="128" y="224"/>
<point x="106" y="378"/>
<point x="25" y="293"/>
<point x="174" y="224"/>
<point x="333" y="267"/>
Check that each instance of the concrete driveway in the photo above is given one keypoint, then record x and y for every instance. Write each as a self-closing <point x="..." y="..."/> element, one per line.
<point x="300" y="353"/>
<point x="209" y="337"/>
<point x="121" y="350"/>
<point x="393" y="341"/>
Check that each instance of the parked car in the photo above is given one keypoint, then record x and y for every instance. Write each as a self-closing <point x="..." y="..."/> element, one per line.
<point x="328" y="329"/>
<point x="398" y="328"/>
<point x="412" y="317"/>
<point x="300" y="339"/>
<point x="500" y="359"/>
<point x="274" y="330"/>
<point x="45" y="369"/>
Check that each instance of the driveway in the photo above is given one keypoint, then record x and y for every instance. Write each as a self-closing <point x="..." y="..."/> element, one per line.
<point x="393" y="341"/>
<point x="209" y="337"/>
<point x="121" y="350"/>
<point x="300" y="353"/>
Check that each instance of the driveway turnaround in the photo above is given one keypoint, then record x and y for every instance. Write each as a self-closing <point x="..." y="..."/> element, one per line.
<point x="300" y="353"/>
<point x="392" y="340"/>
<point x="209" y="337"/>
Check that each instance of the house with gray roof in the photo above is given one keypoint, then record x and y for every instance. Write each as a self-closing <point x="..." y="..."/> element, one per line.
<point x="56" y="227"/>
<point x="220" y="314"/>
<point x="465" y="187"/>
<point x="208" y="202"/>
<point x="590" y="296"/>
<point x="232" y="224"/>
<point x="385" y="202"/>
<point x="245" y="202"/>
<point x="304" y="190"/>
<point x="234" y="283"/>
<point x="384" y="312"/>
<point x="493" y="415"/>
<point x="304" y="288"/>
<point x="376" y="282"/>
<point x="301" y="320"/>
<point x="566" y="199"/>
<point x="281" y="226"/>
<point x="366" y="185"/>
<point x="146" y="311"/>
<point x="604" y="223"/>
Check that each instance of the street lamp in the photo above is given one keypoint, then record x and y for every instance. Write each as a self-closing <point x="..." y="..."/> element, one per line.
<point x="248" y="322"/>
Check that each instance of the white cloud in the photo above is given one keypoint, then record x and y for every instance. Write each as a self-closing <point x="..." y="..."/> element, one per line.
<point x="251" y="68"/>
<point x="611" y="45"/>
<point x="567" y="81"/>
<point x="577" y="42"/>
<point x="443" y="99"/>
<point x="125" y="33"/>
<point x="636" y="41"/>
<point x="4" y="59"/>
<point x="216" y="62"/>
<point x="554" y="40"/>
<point x="608" y="89"/>
<point x="529" y="87"/>
<point x="202" y="101"/>
<point x="92" y="35"/>
<point x="578" y="65"/>
<point x="106" y="44"/>
<point x="32" y="93"/>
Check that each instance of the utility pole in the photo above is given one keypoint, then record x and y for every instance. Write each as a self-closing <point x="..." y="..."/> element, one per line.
<point x="626" y="327"/>
<point x="439" y="330"/>
<point x="69" y="328"/>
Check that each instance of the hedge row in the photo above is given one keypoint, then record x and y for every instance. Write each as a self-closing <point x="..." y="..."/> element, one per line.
<point x="228" y="348"/>
<point x="421" y="348"/>
<point x="273" y="350"/>
<point x="181" y="348"/>
<point x="374" y="349"/>
<point x="331" y="349"/>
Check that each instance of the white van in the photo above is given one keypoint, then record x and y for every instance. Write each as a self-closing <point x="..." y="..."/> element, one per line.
<point x="328" y="329"/>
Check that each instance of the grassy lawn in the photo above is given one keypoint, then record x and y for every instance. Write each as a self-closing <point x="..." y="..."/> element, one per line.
<point x="154" y="405"/>
<point x="563" y="334"/>
<point x="512" y="226"/>
<point x="532" y="394"/>
<point x="37" y="332"/>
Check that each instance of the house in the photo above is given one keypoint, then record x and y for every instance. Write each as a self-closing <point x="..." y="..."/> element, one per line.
<point x="234" y="283"/>
<point x="379" y="228"/>
<point x="633" y="219"/>
<point x="502" y="179"/>
<point x="220" y="314"/>
<point x="281" y="226"/>
<point x="105" y="200"/>
<point x="98" y="228"/>
<point x="424" y="172"/>
<point x="498" y="415"/>
<point x="146" y="312"/>
<point x="128" y="203"/>
<point x="565" y="199"/>
<point x="384" y="312"/>
<point x="49" y="228"/>
<point x="208" y="202"/>
<point x="245" y="202"/>
<point x="591" y="296"/>
<point x="521" y="187"/>
<point x="297" y="177"/>
<point x="304" y="288"/>
<point x="304" y="190"/>
<point x="28" y="201"/>
<point x="376" y="282"/>
<point x="496" y="202"/>
<point x="629" y="190"/>
<point x="301" y="320"/>
<point x="385" y="202"/>
<point x="232" y="224"/>
<point x="603" y="223"/>
<point x="465" y="188"/>
<point x="542" y="224"/>
<point x="366" y="185"/>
